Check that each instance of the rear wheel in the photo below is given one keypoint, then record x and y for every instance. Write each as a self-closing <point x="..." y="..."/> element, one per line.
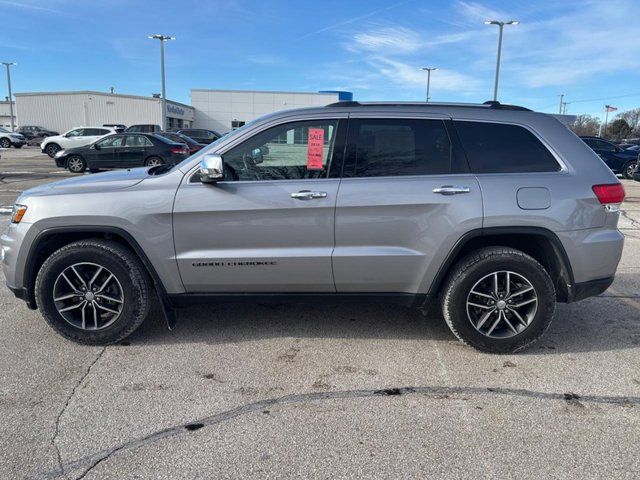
<point x="153" y="162"/>
<point x="52" y="149"/>
<point x="76" y="164"/>
<point x="629" y="168"/>
<point x="498" y="300"/>
<point x="5" y="143"/>
<point x="93" y="292"/>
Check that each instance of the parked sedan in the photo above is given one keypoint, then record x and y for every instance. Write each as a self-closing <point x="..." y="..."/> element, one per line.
<point x="201" y="135"/>
<point x="32" y="131"/>
<point x="122" y="150"/>
<point x="180" y="138"/>
<point x="617" y="159"/>
<point x="9" y="139"/>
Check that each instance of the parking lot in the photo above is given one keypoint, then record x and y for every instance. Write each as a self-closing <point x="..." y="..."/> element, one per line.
<point x="320" y="391"/>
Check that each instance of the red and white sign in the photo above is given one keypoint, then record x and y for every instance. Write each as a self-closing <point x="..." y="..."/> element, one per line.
<point x="314" y="149"/>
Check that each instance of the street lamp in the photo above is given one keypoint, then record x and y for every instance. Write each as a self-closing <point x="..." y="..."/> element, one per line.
<point x="8" y="65"/>
<point x="501" y="26"/>
<point x="428" y="70"/>
<point x="163" y="102"/>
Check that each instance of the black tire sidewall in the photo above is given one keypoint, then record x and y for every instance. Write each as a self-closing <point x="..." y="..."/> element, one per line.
<point x="131" y="291"/>
<point x="522" y="265"/>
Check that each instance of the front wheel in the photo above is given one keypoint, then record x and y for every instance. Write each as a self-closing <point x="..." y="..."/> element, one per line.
<point x="629" y="168"/>
<point x="52" y="149"/>
<point x="76" y="164"/>
<point x="93" y="292"/>
<point x="5" y="143"/>
<point x="498" y="300"/>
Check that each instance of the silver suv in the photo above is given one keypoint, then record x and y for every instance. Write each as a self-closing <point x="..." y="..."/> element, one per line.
<point x="492" y="211"/>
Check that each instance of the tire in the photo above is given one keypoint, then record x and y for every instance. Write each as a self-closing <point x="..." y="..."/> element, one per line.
<point x="76" y="164"/>
<point x="52" y="149"/>
<point x="18" y="146"/>
<point x="5" y="143"/>
<point x="628" y="169"/>
<point x="153" y="161"/>
<point x="94" y="170"/>
<point x="472" y="323"/>
<point x="130" y="284"/>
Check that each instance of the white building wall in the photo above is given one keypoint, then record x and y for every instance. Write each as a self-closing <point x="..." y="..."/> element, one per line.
<point x="61" y="111"/>
<point x="5" y="115"/>
<point x="216" y="109"/>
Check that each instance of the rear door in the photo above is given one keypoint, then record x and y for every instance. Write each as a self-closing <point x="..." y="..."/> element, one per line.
<point x="405" y="199"/>
<point x="269" y="226"/>
<point x="134" y="149"/>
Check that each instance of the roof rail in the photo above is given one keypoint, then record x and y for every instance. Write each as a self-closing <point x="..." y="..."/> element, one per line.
<point x="488" y="104"/>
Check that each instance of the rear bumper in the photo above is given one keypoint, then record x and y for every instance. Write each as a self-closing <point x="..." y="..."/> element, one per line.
<point x="580" y="291"/>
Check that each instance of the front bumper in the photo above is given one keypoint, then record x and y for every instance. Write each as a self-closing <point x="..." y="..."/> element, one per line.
<point x="18" y="143"/>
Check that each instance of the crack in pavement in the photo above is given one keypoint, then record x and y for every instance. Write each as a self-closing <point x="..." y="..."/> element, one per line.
<point x="91" y="461"/>
<point x="61" y="469"/>
<point x="633" y="221"/>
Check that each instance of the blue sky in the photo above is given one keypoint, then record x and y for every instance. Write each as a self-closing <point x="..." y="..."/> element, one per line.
<point x="588" y="50"/>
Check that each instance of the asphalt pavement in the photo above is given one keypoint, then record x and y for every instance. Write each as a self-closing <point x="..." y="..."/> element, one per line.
<point x="320" y="391"/>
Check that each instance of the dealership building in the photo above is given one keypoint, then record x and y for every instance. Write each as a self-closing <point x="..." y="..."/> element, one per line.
<point x="5" y="114"/>
<point x="220" y="110"/>
<point x="62" y="111"/>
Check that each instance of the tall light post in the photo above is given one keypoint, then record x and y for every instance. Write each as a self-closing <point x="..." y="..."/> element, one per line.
<point x="501" y="27"/>
<point x="428" y="70"/>
<point x="561" y="103"/>
<point x="163" y="102"/>
<point x="8" y="65"/>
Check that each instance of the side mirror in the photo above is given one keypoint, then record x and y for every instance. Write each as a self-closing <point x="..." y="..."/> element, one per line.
<point x="211" y="168"/>
<point x="96" y="146"/>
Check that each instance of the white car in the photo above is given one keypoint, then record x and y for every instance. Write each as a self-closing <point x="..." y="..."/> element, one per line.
<point x="76" y="137"/>
<point x="8" y="139"/>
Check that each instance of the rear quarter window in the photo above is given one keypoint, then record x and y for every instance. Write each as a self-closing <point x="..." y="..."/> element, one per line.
<point x="503" y="148"/>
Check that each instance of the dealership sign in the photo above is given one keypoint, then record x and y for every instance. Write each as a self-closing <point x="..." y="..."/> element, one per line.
<point x="178" y="111"/>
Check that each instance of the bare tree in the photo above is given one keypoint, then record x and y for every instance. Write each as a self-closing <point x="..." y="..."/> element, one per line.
<point x="585" y="125"/>
<point x="632" y="117"/>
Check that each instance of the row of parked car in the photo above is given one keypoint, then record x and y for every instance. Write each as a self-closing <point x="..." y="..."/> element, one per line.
<point x="115" y="146"/>
<point x="621" y="159"/>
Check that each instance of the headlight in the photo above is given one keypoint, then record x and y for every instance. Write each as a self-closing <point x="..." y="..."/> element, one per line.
<point x="18" y="212"/>
<point x="59" y="153"/>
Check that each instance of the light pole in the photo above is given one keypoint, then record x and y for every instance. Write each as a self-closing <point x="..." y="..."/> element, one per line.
<point x="163" y="102"/>
<point x="501" y="27"/>
<point x="561" y="103"/>
<point x="428" y="70"/>
<point x="8" y="65"/>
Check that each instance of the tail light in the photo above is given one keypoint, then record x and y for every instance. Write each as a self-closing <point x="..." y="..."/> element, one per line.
<point x="609" y="193"/>
<point x="179" y="150"/>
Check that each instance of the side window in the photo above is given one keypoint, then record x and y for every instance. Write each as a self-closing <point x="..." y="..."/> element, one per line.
<point x="113" y="141"/>
<point x="395" y="147"/>
<point x="298" y="150"/>
<point x="138" y="141"/>
<point x="502" y="148"/>
<point x="605" y="146"/>
<point x="78" y="132"/>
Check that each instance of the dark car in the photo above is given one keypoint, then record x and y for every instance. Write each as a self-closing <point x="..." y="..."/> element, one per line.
<point x="32" y="131"/>
<point x="180" y="138"/>
<point x="118" y="127"/>
<point x="143" y="128"/>
<point x="201" y="135"/>
<point x="617" y="159"/>
<point x="122" y="150"/>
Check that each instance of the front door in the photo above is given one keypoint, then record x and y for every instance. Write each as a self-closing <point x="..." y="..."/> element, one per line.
<point x="269" y="226"/>
<point x="105" y="153"/>
<point x="405" y="200"/>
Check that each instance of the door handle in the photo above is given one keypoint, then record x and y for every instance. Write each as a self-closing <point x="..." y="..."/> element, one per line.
<point x="308" y="195"/>
<point x="451" y="190"/>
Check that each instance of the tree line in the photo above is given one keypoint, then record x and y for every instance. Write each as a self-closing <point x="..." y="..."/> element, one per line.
<point x="623" y="125"/>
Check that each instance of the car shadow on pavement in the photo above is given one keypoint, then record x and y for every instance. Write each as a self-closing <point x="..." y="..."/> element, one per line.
<point x="605" y="323"/>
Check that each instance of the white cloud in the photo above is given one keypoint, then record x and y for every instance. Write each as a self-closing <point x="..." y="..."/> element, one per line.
<point x="393" y="39"/>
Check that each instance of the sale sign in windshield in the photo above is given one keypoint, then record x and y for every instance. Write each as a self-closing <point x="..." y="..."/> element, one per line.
<point x="314" y="149"/>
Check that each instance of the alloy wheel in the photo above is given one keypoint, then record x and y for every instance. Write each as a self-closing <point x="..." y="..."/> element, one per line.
<point x="88" y="296"/>
<point x="75" y="164"/>
<point x="5" y="143"/>
<point x="154" y="162"/>
<point x="52" y="150"/>
<point x="502" y="304"/>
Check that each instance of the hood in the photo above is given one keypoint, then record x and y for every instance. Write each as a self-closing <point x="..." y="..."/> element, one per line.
<point x="97" y="182"/>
